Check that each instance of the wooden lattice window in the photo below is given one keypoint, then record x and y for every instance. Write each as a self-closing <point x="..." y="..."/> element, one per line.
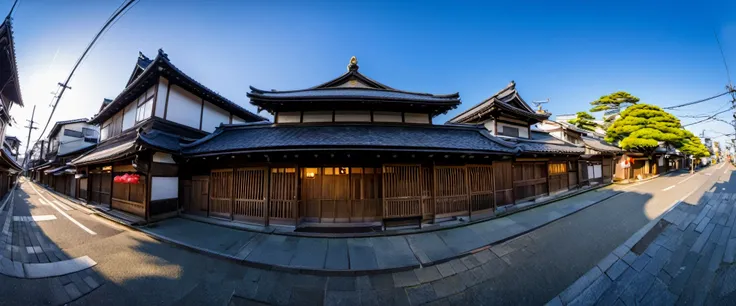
<point x="557" y="168"/>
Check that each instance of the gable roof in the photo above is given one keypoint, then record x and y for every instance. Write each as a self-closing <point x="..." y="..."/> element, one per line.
<point x="508" y="99"/>
<point x="600" y="145"/>
<point x="352" y="90"/>
<point x="162" y="66"/>
<point x="140" y="66"/>
<point x="57" y="126"/>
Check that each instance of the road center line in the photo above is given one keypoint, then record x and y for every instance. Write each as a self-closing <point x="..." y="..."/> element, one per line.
<point x="63" y="213"/>
<point x="668" y="188"/>
<point x="689" y="177"/>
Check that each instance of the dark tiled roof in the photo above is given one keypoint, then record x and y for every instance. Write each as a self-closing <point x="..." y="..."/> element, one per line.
<point x="150" y="73"/>
<point x="502" y="99"/>
<point x="7" y="156"/>
<point x="354" y="93"/>
<point x="262" y="137"/>
<point x="351" y="88"/>
<point x="542" y="142"/>
<point x="59" y="124"/>
<point x="10" y="72"/>
<point x="106" y="153"/>
<point x="601" y="145"/>
<point x="161" y="140"/>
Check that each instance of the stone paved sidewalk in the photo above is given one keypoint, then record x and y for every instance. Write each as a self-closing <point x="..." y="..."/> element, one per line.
<point x="26" y="252"/>
<point x="691" y="262"/>
<point x="363" y="255"/>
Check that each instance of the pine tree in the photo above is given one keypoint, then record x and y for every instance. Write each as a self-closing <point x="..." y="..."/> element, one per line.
<point x="642" y="127"/>
<point x="584" y="121"/>
<point x="611" y="105"/>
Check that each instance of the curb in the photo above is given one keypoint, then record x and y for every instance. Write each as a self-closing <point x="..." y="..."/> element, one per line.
<point x="324" y="272"/>
<point x="390" y="233"/>
<point x="601" y="267"/>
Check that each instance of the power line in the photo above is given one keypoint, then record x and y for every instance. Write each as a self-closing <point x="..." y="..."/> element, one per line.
<point x="712" y="117"/>
<point x="699" y="101"/>
<point x="65" y="85"/>
<point x="723" y="56"/>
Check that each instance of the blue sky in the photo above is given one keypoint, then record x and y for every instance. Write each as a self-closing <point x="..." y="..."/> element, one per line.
<point x="663" y="52"/>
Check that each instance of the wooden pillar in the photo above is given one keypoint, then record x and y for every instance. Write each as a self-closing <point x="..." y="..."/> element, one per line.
<point x="267" y="204"/>
<point x="232" y="194"/>
<point x="467" y="191"/>
<point x="434" y="191"/>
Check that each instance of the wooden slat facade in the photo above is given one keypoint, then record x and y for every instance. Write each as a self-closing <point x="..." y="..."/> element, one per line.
<point x="402" y="191"/>
<point x="291" y="195"/>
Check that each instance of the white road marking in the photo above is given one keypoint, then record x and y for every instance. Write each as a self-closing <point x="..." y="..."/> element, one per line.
<point x="65" y="215"/>
<point x="34" y="218"/>
<point x="43" y="202"/>
<point x="65" y="207"/>
<point x="689" y="177"/>
<point x="668" y="188"/>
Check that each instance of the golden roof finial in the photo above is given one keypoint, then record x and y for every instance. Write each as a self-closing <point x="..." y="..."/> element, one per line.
<point x="353" y="65"/>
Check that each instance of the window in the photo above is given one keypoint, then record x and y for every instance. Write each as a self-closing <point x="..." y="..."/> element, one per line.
<point x="557" y="168"/>
<point x="509" y="131"/>
<point x="73" y="133"/>
<point x="570" y="138"/>
<point x="144" y="110"/>
<point x="90" y="135"/>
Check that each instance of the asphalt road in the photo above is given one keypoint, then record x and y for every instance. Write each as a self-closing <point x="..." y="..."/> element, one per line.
<point x="136" y="269"/>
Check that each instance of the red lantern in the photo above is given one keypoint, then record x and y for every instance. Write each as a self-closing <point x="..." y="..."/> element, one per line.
<point x="134" y="179"/>
<point x="116" y="179"/>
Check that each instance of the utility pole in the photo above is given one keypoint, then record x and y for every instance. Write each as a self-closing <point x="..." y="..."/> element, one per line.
<point x="30" y="128"/>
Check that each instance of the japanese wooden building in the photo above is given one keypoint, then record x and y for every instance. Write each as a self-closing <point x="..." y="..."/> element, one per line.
<point x="544" y="165"/>
<point x="10" y="95"/>
<point x="597" y="165"/>
<point x="140" y="135"/>
<point x="351" y="152"/>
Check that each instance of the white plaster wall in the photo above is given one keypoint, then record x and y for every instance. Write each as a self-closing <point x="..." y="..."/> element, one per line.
<point x="317" y="116"/>
<point x="164" y="158"/>
<point x="184" y="107"/>
<point x="490" y="125"/>
<point x="352" y="116"/>
<point x="161" y="98"/>
<point x="416" y="118"/>
<point x="129" y="115"/>
<point x="212" y="116"/>
<point x="164" y="188"/>
<point x="69" y="144"/>
<point x="289" y="117"/>
<point x="386" y="117"/>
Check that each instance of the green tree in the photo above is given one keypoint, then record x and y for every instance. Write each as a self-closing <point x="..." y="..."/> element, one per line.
<point x="584" y="121"/>
<point x="613" y="102"/>
<point x="642" y="126"/>
<point x="691" y="145"/>
<point x="611" y="105"/>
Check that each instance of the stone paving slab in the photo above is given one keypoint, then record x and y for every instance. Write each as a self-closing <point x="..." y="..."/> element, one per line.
<point x="365" y="254"/>
<point x="689" y="263"/>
